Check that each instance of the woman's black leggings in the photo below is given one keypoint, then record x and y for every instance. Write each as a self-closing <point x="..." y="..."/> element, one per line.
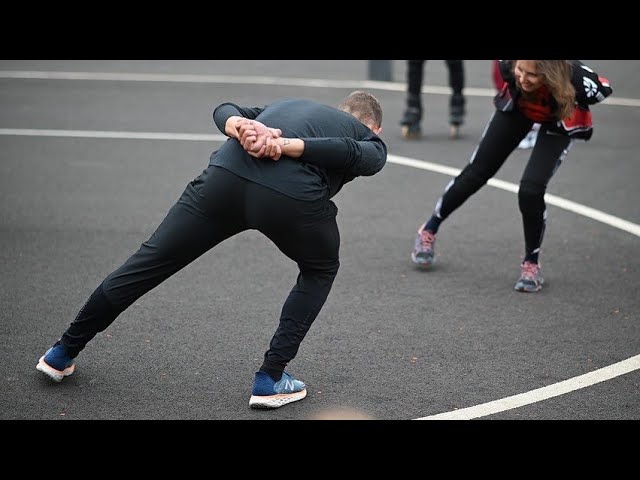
<point x="212" y="208"/>
<point x="501" y="136"/>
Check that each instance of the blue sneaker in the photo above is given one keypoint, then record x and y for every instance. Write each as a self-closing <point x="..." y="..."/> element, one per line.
<point x="56" y="363"/>
<point x="267" y="393"/>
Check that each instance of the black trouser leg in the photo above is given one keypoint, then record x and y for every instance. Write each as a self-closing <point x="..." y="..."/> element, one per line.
<point x="415" y="72"/>
<point x="307" y="233"/>
<point x="456" y="75"/>
<point x="192" y="226"/>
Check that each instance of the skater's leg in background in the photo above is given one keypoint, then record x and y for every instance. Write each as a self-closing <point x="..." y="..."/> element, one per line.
<point x="415" y="72"/>
<point x="456" y="75"/>
<point x="457" y="101"/>
<point x="410" y="122"/>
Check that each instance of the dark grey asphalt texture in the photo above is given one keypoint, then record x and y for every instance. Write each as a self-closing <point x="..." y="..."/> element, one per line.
<point x="392" y="342"/>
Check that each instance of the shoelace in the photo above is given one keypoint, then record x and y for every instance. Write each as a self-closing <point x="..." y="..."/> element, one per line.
<point x="530" y="271"/>
<point x="427" y="238"/>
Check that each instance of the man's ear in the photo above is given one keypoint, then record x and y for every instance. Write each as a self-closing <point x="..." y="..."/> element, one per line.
<point x="377" y="131"/>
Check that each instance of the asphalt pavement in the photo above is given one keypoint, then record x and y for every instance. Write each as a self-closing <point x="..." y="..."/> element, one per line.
<point x="95" y="152"/>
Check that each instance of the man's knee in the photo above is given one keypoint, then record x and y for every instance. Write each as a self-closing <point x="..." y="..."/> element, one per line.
<point x="321" y="272"/>
<point x="330" y="269"/>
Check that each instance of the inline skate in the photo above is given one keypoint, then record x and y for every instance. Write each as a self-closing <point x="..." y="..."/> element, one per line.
<point x="410" y="122"/>
<point x="457" y="112"/>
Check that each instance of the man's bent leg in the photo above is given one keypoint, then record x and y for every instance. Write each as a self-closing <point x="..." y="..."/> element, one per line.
<point x="313" y="242"/>
<point x="272" y="386"/>
<point x="307" y="233"/>
<point x="299" y="311"/>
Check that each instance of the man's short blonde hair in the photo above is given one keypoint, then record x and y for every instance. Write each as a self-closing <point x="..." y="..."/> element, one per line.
<point x="364" y="106"/>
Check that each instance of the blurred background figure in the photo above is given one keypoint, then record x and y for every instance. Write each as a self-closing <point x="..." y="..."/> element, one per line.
<point x="412" y="117"/>
<point x="340" y="413"/>
<point x="530" y="140"/>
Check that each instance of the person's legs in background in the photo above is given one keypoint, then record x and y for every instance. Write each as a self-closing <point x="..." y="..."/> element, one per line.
<point x="457" y="102"/>
<point x="412" y="117"/>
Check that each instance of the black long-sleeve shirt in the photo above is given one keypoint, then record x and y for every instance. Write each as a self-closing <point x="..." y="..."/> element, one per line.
<point x="338" y="148"/>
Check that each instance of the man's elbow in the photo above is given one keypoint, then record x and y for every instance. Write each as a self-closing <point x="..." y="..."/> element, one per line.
<point x="373" y="167"/>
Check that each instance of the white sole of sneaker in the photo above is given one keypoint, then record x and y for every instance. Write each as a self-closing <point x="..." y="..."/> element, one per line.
<point x="55" y="375"/>
<point x="525" y="289"/>
<point x="276" y="401"/>
<point x="528" y="290"/>
<point x="421" y="263"/>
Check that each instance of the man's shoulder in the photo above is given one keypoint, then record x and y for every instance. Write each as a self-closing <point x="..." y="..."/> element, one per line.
<point x="306" y="108"/>
<point x="290" y="101"/>
<point x="285" y="100"/>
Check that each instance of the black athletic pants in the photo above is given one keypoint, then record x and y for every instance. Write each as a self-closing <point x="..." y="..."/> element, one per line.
<point x="212" y="208"/>
<point x="415" y="74"/>
<point x="502" y="135"/>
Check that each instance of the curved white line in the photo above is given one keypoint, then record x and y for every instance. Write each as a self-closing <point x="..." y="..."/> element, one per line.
<point x="512" y="187"/>
<point x="540" y="394"/>
<point x="262" y="80"/>
<point x="559" y="388"/>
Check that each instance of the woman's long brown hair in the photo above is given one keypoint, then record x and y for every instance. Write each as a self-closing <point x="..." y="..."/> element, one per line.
<point x="557" y="77"/>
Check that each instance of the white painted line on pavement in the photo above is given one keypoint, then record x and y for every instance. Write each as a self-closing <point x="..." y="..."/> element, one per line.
<point x="102" y="134"/>
<point x="260" y="80"/>
<point x="540" y="394"/>
<point x="476" y="411"/>
<point x="512" y="187"/>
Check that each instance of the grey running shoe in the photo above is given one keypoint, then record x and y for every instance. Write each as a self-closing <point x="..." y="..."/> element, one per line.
<point x="530" y="278"/>
<point x="423" y="254"/>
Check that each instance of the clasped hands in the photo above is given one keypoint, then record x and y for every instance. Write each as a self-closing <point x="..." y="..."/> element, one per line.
<point x="258" y="140"/>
